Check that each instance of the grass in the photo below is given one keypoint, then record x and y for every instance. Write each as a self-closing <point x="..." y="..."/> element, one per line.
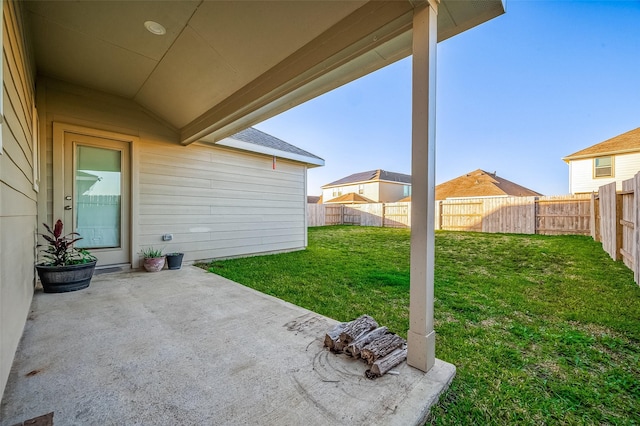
<point x="542" y="330"/>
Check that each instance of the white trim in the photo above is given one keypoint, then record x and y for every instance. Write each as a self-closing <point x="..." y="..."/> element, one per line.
<point x="59" y="130"/>
<point x="35" y="150"/>
<point x="259" y="149"/>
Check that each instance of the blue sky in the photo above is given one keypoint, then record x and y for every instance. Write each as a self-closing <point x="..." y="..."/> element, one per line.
<point x="514" y="95"/>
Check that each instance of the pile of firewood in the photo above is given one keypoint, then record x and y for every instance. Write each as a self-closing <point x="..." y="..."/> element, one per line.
<point x="363" y="338"/>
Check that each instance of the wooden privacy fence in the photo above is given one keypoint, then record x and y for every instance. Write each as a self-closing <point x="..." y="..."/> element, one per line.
<point x="393" y="215"/>
<point x="618" y="223"/>
<point x="554" y="215"/>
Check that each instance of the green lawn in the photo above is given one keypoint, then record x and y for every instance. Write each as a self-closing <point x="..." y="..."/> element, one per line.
<point x="543" y="330"/>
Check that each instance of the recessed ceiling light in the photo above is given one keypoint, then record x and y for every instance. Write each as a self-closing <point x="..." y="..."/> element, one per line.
<point x="155" y="28"/>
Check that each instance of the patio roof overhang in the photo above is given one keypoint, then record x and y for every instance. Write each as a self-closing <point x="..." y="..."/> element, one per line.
<point x="223" y="66"/>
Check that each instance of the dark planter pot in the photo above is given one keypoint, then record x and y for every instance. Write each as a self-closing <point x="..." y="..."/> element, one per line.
<point x="174" y="260"/>
<point x="61" y="279"/>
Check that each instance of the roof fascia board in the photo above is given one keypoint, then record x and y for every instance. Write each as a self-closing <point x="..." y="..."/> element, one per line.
<point x="259" y="149"/>
<point x="461" y="27"/>
<point x="363" y="182"/>
<point x="600" y="154"/>
<point x="351" y="71"/>
<point x="370" y="26"/>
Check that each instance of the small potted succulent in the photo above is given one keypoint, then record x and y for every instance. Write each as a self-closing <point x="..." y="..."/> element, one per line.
<point x="153" y="259"/>
<point x="64" y="268"/>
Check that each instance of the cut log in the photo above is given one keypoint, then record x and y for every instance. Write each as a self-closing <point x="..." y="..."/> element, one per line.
<point x="384" y="364"/>
<point x="333" y="335"/>
<point x="355" y="329"/>
<point x="354" y="348"/>
<point x="381" y="347"/>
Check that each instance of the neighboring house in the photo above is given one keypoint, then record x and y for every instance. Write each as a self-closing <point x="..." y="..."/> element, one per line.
<point x="87" y="90"/>
<point x="613" y="160"/>
<point x="375" y="186"/>
<point x="481" y="184"/>
<point x="350" y="198"/>
<point x="313" y="199"/>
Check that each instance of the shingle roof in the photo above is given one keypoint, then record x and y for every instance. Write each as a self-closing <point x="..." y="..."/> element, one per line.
<point x="626" y="142"/>
<point x="313" y="199"/>
<point x="256" y="137"/>
<point x="372" y="175"/>
<point x="350" y="198"/>
<point x="481" y="184"/>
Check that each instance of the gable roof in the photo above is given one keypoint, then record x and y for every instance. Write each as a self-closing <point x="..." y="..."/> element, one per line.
<point x="371" y="176"/>
<point x="481" y="184"/>
<point x="624" y="143"/>
<point x="350" y="198"/>
<point x="254" y="140"/>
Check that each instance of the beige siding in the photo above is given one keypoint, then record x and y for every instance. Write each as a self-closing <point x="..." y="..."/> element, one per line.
<point x="370" y="190"/>
<point x="17" y="195"/>
<point x="391" y="192"/>
<point x="221" y="202"/>
<point x="582" y="181"/>
<point x="217" y="202"/>
<point x="378" y="192"/>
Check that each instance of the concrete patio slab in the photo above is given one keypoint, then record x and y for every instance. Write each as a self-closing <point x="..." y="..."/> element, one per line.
<point x="189" y="347"/>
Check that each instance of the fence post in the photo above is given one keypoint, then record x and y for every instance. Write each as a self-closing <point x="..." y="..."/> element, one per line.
<point x="384" y="214"/>
<point x="618" y="227"/>
<point x="636" y="228"/>
<point x="592" y="218"/>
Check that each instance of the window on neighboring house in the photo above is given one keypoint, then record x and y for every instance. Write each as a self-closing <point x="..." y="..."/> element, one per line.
<point x="339" y="192"/>
<point x="335" y="192"/>
<point x="603" y="167"/>
<point x="360" y="189"/>
<point x="407" y="190"/>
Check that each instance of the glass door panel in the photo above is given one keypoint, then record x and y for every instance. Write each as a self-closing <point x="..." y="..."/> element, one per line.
<point x="98" y="197"/>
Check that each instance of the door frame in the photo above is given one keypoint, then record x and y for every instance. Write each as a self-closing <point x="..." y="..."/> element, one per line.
<point x="59" y="130"/>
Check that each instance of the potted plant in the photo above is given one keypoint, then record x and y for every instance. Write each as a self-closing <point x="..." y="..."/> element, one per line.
<point x="153" y="259"/>
<point x="65" y="268"/>
<point x="174" y="260"/>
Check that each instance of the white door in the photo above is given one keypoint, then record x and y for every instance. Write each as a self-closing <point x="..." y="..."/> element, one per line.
<point x="97" y="195"/>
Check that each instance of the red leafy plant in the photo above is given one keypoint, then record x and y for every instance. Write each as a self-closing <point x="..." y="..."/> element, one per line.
<point x="60" y="250"/>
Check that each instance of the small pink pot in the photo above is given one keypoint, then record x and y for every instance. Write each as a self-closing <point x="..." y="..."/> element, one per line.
<point x="154" y="264"/>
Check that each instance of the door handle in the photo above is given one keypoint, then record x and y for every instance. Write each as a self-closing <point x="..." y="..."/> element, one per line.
<point x="67" y="207"/>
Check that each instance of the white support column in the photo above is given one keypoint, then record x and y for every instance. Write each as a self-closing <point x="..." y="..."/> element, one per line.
<point x="421" y="337"/>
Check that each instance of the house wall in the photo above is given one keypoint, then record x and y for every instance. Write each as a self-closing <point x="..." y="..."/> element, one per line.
<point x="17" y="194"/>
<point x="378" y="192"/>
<point x="391" y="192"/>
<point x="370" y="191"/>
<point x="581" y="173"/>
<point x="217" y="202"/>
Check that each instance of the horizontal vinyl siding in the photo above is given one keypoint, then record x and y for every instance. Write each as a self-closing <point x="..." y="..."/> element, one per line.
<point x="582" y="181"/>
<point x="17" y="196"/>
<point x="626" y="167"/>
<point x="219" y="203"/>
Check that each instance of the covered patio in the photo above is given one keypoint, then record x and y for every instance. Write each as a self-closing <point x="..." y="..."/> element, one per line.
<point x="189" y="347"/>
<point x="162" y="82"/>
